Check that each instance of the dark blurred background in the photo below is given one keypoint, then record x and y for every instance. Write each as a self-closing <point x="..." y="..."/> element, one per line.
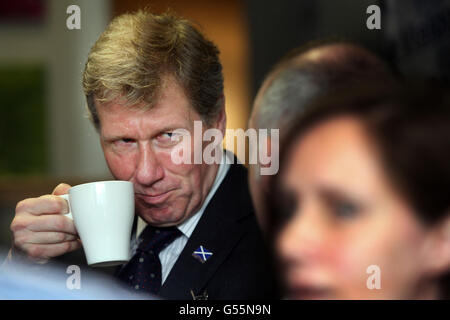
<point x="44" y="133"/>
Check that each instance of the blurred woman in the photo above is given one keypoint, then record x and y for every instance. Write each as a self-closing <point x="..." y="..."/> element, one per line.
<point x="361" y="204"/>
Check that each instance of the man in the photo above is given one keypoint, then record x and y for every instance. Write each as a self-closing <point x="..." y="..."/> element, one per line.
<point x="302" y="76"/>
<point x="146" y="78"/>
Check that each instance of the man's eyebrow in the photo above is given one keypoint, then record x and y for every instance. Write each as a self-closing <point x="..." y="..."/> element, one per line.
<point x="171" y="128"/>
<point x="111" y="137"/>
<point x="166" y="128"/>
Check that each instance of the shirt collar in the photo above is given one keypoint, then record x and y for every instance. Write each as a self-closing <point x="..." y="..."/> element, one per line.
<point x="188" y="226"/>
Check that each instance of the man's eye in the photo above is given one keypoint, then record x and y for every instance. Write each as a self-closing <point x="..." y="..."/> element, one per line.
<point x="123" y="142"/>
<point x="169" y="137"/>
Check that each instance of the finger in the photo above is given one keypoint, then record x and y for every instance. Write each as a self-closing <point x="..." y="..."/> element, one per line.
<point x="43" y="251"/>
<point x="45" y="238"/>
<point x="43" y="223"/>
<point x="61" y="188"/>
<point x="47" y="204"/>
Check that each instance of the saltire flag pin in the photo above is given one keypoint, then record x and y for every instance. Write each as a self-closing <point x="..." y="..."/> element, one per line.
<point x="202" y="254"/>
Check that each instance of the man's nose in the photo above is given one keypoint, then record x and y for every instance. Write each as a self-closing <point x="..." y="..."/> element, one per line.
<point x="149" y="169"/>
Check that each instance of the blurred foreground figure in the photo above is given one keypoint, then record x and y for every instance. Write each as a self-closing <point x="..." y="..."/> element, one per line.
<point x="24" y="281"/>
<point x="304" y="75"/>
<point x="362" y="208"/>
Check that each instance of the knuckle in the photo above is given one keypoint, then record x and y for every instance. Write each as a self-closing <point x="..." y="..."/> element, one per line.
<point x="35" y="252"/>
<point x="60" y="237"/>
<point x="59" y="222"/>
<point x="19" y="242"/>
<point x="53" y="203"/>
<point x="17" y="224"/>
<point x="14" y="227"/>
<point x="67" y="246"/>
<point x="22" y="205"/>
<point x="57" y="204"/>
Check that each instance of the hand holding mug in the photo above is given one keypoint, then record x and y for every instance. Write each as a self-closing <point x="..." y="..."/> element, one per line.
<point x="40" y="229"/>
<point x="99" y="213"/>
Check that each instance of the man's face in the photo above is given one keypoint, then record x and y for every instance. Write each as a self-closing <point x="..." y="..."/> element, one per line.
<point x="137" y="145"/>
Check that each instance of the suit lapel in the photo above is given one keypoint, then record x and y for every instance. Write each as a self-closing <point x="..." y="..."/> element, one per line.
<point x="218" y="231"/>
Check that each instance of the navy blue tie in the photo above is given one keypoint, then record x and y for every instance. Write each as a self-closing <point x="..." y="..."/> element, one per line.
<point x="143" y="271"/>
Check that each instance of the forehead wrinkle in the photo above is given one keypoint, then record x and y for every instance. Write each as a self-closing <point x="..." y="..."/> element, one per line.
<point x="142" y="124"/>
<point x="146" y="121"/>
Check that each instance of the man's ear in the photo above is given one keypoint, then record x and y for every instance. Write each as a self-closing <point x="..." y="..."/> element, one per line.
<point x="437" y="251"/>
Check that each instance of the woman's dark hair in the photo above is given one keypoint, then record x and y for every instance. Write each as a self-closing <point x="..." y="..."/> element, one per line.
<point x="410" y="126"/>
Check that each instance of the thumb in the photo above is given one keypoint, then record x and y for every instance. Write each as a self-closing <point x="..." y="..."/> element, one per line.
<point x="61" y="188"/>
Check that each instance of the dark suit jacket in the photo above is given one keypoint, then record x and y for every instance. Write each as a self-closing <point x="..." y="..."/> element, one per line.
<point x="240" y="267"/>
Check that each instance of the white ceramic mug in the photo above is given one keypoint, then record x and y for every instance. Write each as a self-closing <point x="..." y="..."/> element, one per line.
<point x="103" y="214"/>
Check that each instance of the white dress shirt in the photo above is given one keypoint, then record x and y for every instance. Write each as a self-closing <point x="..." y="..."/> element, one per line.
<point x="169" y="255"/>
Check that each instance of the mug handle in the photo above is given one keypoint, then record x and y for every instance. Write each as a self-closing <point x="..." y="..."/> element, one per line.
<point x="66" y="197"/>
